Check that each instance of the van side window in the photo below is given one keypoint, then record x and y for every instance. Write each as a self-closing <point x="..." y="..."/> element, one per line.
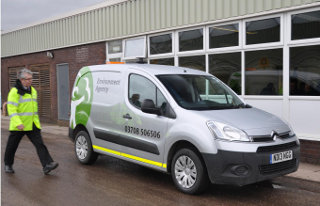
<point x="141" y="88"/>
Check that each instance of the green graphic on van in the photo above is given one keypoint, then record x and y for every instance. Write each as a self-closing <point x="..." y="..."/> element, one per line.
<point x="82" y="96"/>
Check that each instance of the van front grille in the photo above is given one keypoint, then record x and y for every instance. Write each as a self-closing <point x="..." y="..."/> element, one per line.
<point x="278" y="167"/>
<point x="278" y="147"/>
<point x="268" y="138"/>
<point x="262" y="139"/>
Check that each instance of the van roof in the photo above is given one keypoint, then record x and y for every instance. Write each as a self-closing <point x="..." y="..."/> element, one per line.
<point x="152" y="69"/>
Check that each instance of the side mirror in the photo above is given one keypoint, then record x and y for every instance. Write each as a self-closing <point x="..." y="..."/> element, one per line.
<point x="149" y="107"/>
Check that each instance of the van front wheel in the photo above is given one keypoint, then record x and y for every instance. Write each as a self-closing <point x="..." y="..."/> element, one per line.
<point x="83" y="148"/>
<point x="188" y="172"/>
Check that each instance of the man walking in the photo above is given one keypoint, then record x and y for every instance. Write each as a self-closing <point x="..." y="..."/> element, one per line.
<point x="22" y="109"/>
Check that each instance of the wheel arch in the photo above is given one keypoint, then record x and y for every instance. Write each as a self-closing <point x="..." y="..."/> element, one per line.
<point x="179" y="145"/>
<point x="79" y="128"/>
<point x="91" y="156"/>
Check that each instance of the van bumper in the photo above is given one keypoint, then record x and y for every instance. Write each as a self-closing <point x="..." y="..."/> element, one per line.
<point x="242" y="168"/>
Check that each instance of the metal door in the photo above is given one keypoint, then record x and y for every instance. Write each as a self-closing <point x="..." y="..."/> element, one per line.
<point x="63" y="91"/>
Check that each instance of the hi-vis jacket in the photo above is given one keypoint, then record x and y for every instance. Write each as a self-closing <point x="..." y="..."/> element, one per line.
<point x="23" y="110"/>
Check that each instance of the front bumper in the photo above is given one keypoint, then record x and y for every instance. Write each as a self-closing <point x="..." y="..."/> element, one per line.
<point x="242" y="168"/>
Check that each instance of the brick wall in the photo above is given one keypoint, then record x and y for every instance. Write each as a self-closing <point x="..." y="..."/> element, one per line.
<point x="76" y="57"/>
<point x="310" y="151"/>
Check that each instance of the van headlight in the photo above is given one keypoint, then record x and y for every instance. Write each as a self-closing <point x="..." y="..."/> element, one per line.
<point x="227" y="132"/>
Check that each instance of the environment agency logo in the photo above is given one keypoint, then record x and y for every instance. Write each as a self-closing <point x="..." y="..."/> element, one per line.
<point x="82" y="96"/>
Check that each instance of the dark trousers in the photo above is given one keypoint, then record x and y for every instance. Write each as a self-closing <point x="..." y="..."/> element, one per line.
<point x="36" y="139"/>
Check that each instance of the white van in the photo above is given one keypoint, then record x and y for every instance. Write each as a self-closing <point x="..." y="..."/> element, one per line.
<point x="180" y="121"/>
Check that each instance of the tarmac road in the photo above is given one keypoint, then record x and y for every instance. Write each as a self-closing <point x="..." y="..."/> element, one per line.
<point x="115" y="182"/>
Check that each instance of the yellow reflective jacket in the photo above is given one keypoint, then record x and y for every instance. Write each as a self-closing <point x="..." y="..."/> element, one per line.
<point x="23" y="110"/>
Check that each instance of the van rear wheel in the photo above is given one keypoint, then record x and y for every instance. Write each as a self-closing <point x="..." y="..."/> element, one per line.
<point x="83" y="148"/>
<point x="188" y="172"/>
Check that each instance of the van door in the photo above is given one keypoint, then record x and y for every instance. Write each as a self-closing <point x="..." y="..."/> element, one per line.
<point x="108" y="101"/>
<point x="146" y="133"/>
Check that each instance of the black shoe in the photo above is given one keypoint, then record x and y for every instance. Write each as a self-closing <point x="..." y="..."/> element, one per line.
<point x="8" y="169"/>
<point x="49" y="167"/>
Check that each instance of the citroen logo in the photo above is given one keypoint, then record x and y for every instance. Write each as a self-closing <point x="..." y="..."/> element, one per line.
<point x="274" y="135"/>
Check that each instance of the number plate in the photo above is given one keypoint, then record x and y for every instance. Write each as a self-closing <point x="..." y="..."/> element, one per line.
<point x="280" y="157"/>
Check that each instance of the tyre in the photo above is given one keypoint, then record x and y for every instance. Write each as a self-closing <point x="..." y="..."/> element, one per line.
<point x="188" y="172"/>
<point x="83" y="148"/>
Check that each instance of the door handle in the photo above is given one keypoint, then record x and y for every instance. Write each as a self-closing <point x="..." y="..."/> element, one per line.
<point x="127" y="116"/>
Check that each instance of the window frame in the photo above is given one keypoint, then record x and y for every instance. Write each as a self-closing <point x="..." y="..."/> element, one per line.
<point x="298" y="43"/>
<point x="158" y="56"/>
<point x="194" y="55"/>
<point x="289" y="27"/>
<point x="114" y="55"/>
<point x="299" y="97"/>
<point x="188" y="53"/>
<point x="144" y="37"/>
<point x="267" y="44"/>
<point x="242" y="65"/>
<point x="274" y="97"/>
<point x="222" y="49"/>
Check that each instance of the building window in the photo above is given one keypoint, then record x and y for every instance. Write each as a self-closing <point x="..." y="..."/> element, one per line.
<point x="227" y="68"/>
<point x="305" y="25"/>
<point x="114" y="51"/>
<point x="135" y="48"/>
<point x="191" y="40"/>
<point x="263" y="31"/>
<point x="194" y="62"/>
<point x="164" y="61"/>
<point x="305" y="71"/>
<point x="161" y="44"/>
<point x="115" y="47"/>
<point x="224" y="36"/>
<point x="263" y="72"/>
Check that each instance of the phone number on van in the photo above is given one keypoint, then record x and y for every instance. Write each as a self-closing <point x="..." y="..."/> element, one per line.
<point x="142" y="132"/>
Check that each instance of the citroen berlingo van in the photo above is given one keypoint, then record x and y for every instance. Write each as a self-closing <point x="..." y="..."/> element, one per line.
<point x="180" y="121"/>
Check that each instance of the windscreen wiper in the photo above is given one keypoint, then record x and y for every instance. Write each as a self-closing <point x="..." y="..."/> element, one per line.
<point x="242" y="105"/>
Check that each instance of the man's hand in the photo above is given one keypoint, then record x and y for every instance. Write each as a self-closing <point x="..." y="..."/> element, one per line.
<point x="20" y="127"/>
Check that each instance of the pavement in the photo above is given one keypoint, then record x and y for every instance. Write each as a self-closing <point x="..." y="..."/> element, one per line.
<point x="306" y="171"/>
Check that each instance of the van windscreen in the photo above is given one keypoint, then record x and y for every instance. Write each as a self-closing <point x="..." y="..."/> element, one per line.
<point x="199" y="92"/>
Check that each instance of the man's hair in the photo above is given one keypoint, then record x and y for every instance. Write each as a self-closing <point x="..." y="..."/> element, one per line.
<point x="22" y="72"/>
